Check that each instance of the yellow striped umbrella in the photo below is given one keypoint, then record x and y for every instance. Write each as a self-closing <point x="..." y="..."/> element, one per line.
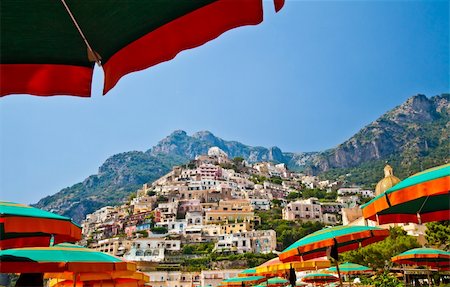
<point x="276" y="267"/>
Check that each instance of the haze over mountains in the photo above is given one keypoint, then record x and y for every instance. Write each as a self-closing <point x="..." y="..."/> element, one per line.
<point x="414" y="135"/>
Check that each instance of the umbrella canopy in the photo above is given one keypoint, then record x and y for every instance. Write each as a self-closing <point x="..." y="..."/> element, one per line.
<point x="120" y="282"/>
<point x="276" y="267"/>
<point x="420" y="198"/>
<point x="319" y="278"/>
<point x="345" y="238"/>
<point x="277" y="281"/>
<point x="350" y="268"/>
<point x="25" y="226"/>
<point x="247" y="272"/>
<point x="98" y="276"/>
<point x="246" y="281"/>
<point x="50" y="47"/>
<point x="424" y="257"/>
<point x="60" y="258"/>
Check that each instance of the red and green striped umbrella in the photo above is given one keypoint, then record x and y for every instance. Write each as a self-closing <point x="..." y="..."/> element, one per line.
<point x="319" y="278"/>
<point x="350" y="268"/>
<point x="346" y="238"/>
<point x="63" y="257"/>
<point x="49" y="47"/>
<point x="420" y="198"/>
<point x="26" y="226"/>
<point x="424" y="257"/>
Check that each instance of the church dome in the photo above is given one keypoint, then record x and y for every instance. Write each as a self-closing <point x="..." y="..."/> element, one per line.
<point x="387" y="182"/>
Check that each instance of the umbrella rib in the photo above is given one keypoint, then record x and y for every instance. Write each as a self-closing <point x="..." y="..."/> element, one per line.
<point x="420" y="209"/>
<point x="94" y="54"/>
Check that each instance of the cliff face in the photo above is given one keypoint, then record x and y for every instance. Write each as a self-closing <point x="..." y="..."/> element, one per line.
<point x="410" y="132"/>
<point x="415" y="127"/>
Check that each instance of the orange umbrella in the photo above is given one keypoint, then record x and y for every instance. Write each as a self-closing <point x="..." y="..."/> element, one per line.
<point x="25" y="226"/>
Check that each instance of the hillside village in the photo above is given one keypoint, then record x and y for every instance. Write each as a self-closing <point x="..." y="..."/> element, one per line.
<point x="217" y="201"/>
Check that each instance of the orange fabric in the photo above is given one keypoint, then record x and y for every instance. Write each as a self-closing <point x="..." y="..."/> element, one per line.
<point x="429" y="188"/>
<point x="192" y="30"/>
<point x="29" y="225"/>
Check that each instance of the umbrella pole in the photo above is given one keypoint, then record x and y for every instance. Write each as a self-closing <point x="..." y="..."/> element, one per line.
<point x="339" y="273"/>
<point x="428" y="276"/>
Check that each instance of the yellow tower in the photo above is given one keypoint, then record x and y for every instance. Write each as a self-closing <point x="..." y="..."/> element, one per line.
<point x="387" y="182"/>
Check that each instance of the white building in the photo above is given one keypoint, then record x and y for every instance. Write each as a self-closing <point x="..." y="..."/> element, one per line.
<point x="355" y="191"/>
<point x="308" y="209"/>
<point x="260" y="203"/>
<point x="257" y="241"/>
<point x="151" y="249"/>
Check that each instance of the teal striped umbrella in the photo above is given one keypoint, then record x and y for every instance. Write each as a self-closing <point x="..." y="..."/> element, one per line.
<point x="350" y="268"/>
<point x="248" y="272"/>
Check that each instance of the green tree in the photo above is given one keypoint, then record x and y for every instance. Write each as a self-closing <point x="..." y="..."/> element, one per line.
<point x="293" y="195"/>
<point x="382" y="280"/>
<point x="159" y="230"/>
<point x="438" y="234"/>
<point x="378" y="255"/>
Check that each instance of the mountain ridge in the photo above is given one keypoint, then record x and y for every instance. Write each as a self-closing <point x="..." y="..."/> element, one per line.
<point x="409" y="131"/>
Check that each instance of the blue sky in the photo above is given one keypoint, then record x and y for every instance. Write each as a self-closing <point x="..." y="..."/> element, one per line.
<point x="305" y="79"/>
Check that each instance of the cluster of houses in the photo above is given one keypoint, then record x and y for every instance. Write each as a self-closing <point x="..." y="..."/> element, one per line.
<point x="213" y="200"/>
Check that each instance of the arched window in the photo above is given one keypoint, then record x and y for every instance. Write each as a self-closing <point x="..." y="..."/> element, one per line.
<point x="139" y="252"/>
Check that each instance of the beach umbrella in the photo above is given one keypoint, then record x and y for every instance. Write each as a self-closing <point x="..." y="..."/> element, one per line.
<point x="277" y="281"/>
<point x="60" y="258"/>
<point x="50" y="47"/>
<point x="319" y="278"/>
<point x="120" y="282"/>
<point x="98" y="276"/>
<point x="428" y="257"/>
<point x="247" y="272"/>
<point x="424" y="257"/>
<point x="276" y="267"/>
<point x="420" y="198"/>
<point x="351" y="268"/>
<point x="25" y="226"/>
<point x="331" y="241"/>
<point x="243" y="281"/>
<point x="345" y="238"/>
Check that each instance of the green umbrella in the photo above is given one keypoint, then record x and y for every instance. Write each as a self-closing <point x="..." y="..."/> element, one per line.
<point x="60" y="258"/>
<point x="351" y="268"/>
<point x="247" y="272"/>
<point x="277" y="281"/>
<point x="49" y="47"/>
<point x="429" y="257"/>
<point x="331" y="241"/>
<point x="346" y="238"/>
<point x="25" y="226"/>
<point x="424" y="257"/>
<point x="420" y="198"/>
